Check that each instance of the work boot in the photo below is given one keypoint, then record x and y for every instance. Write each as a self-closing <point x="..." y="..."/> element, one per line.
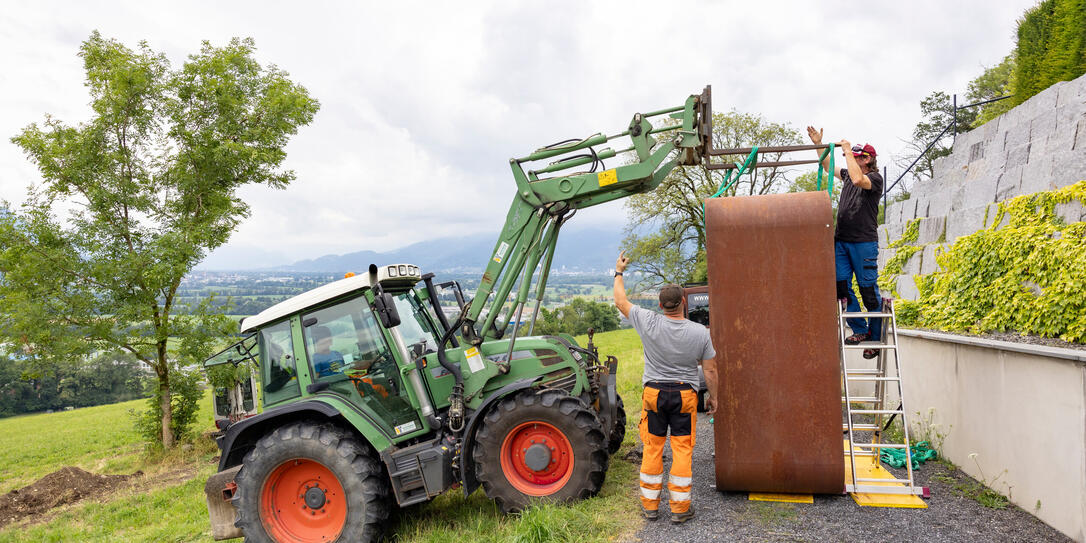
<point x="870" y="353"/>
<point x="855" y="339"/>
<point x="679" y="518"/>
<point x="649" y="514"/>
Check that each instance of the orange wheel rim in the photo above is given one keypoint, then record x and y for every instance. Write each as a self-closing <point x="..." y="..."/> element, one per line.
<point x="303" y="502"/>
<point x="537" y="458"/>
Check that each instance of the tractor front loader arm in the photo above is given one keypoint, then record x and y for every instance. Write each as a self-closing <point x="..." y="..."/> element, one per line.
<point x="547" y="197"/>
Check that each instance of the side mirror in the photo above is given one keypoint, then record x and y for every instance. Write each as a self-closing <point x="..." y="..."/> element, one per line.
<point x="386" y="310"/>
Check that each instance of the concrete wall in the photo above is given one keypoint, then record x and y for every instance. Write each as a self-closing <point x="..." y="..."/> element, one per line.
<point x="1039" y="145"/>
<point x="1020" y="409"/>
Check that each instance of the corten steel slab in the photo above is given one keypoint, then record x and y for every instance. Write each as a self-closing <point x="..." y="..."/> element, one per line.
<point x="772" y="302"/>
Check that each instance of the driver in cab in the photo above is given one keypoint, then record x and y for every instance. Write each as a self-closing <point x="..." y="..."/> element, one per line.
<point x="325" y="360"/>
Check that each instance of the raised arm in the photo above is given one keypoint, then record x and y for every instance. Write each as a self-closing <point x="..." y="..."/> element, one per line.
<point x="621" y="302"/>
<point x="855" y="173"/>
<point x="816" y="138"/>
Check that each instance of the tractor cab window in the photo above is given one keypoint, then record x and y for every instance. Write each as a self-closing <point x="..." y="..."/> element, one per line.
<point x="347" y="349"/>
<point x="248" y="396"/>
<point x="222" y="402"/>
<point x="416" y="325"/>
<point x="277" y="364"/>
<point x="344" y="338"/>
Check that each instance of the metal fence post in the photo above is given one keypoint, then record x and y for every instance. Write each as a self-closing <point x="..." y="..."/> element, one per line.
<point x="955" y="117"/>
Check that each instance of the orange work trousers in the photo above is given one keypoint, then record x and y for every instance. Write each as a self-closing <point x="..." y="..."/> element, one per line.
<point x="667" y="406"/>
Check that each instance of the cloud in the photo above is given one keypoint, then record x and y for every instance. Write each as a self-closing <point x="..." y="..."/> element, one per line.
<point x="423" y="104"/>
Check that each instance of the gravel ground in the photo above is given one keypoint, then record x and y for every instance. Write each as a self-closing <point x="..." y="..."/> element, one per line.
<point x="730" y="516"/>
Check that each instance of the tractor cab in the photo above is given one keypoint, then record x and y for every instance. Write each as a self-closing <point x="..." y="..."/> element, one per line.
<point x="349" y="339"/>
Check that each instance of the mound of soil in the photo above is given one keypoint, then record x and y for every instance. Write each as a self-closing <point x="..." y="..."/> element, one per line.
<point x="66" y="485"/>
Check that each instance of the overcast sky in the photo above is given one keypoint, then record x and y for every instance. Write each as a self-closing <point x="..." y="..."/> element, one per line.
<point x="423" y="103"/>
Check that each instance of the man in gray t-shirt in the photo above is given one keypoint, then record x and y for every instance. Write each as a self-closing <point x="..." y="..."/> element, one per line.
<point x="674" y="346"/>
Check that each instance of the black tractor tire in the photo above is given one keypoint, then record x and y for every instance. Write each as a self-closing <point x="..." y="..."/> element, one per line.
<point x="560" y="422"/>
<point x="618" y="433"/>
<point x="300" y="454"/>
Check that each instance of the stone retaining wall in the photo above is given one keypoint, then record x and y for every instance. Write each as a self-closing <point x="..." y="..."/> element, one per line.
<point x="1039" y="145"/>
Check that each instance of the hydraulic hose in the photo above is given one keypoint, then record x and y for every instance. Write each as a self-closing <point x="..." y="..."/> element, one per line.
<point x="456" y="398"/>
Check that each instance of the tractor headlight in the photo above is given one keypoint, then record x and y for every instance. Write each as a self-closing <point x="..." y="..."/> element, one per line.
<point x="403" y="269"/>
<point x="392" y="271"/>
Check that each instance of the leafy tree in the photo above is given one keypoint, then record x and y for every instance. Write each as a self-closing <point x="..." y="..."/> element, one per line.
<point x="577" y="317"/>
<point x="665" y="235"/>
<point x="106" y="378"/>
<point x="134" y="197"/>
<point x="937" y="112"/>
<point x="996" y="81"/>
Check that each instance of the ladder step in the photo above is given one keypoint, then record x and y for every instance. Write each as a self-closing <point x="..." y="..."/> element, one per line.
<point x="864" y="371"/>
<point x="862" y="315"/>
<point x="876" y="480"/>
<point x="865" y="378"/>
<point x="862" y="427"/>
<point x="860" y="399"/>
<point x="860" y="453"/>
<point x="881" y="445"/>
<point x="876" y="346"/>
<point x="876" y="412"/>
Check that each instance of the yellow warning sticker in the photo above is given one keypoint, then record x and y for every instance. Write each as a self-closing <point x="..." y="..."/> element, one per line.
<point x="475" y="361"/>
<point x="607" y="177"/>
<point x="500" y="253"/>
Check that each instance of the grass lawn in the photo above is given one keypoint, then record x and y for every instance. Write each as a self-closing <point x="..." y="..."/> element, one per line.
<point x="168" y="503"/>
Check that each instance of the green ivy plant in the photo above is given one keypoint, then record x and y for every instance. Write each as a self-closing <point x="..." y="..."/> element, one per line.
<point x="888" y="276"/>
<point x="911" y="234"/>
<point x="1028" y="276"/>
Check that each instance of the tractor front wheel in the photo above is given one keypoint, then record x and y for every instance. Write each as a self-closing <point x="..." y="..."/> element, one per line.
<point x="540" y="446"/>
<point x="310" y="482"/>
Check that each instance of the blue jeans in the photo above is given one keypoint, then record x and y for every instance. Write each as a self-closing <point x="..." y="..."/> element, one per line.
<point x="862" y="261"/>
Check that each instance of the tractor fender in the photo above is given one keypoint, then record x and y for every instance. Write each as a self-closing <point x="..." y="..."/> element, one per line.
<point x="241" y="436"/>
<point x="467" y="473"/>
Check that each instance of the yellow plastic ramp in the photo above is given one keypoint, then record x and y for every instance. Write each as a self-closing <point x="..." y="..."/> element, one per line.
<point x="866" y="468"/>
<point x="784" y="498"/>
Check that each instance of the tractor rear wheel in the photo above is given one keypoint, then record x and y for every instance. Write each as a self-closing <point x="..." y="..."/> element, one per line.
<point x="309" y="482"/>
<point x="540" y="446"/>
<point x="618" y="433"/>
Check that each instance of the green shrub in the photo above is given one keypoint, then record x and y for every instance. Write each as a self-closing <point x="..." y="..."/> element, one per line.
<point x="1051" y="47"/>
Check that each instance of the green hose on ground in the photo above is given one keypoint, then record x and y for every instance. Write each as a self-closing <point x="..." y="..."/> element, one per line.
<point x="921" y="452"/>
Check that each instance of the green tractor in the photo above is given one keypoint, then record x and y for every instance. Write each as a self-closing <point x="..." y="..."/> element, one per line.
<point x="373" y="399"/>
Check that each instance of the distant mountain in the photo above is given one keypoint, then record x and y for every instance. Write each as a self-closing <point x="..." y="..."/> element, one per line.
<point x="588" y="250"/>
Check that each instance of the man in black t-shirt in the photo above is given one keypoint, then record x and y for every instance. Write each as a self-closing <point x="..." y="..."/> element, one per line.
<point x="856" y="240"/>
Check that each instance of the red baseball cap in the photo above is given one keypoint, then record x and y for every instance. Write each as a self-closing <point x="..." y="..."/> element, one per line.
<point x="867" y="149"/>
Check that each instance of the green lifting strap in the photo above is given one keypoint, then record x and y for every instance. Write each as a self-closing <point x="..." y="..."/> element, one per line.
<point x="729" y="180"/>
<point x="829" y="186"/>
<point x="921" y="452"/>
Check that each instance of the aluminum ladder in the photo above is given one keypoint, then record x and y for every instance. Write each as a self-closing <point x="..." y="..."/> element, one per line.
<point x="875" y="406"/>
